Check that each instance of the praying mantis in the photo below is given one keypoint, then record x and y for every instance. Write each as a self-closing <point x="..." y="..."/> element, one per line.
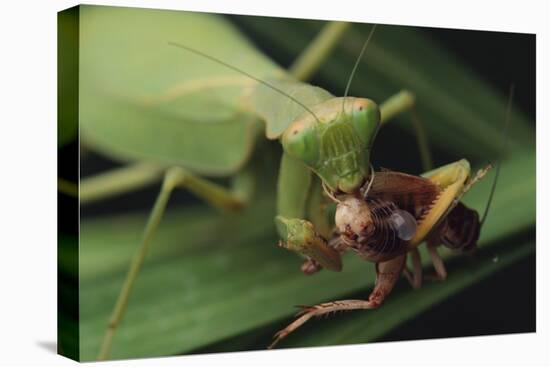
<point x="181" y="161"/>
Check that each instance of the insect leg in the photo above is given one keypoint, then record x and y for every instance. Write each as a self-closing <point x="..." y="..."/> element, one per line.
<point x="214" y="194"/>
<point x="415" y="276"/>
<point x="299" y="235"/>
<point x="474" y="180"/>
<point x="387" y="274"/>
<point x="294" y="205"/>
<point x="437" y="261"/>
<point x="405" y="101"/>
<point x="118" y="181"/>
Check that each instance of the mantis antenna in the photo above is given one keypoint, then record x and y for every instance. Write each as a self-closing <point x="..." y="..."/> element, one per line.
<point x="503" y="149"/>
<point x="370" y="182"/>
<point x="234" y="68"/>
<point x="357" y="64"/>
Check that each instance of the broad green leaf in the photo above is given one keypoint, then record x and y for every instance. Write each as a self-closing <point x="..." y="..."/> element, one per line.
<point x="279" y="111"/>
<point x="141" y="98"/>
<point x="196" y="289"/>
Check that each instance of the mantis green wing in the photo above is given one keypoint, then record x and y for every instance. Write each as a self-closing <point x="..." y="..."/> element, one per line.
<point x="279" y="111"/>
<point x="142" y="99"/>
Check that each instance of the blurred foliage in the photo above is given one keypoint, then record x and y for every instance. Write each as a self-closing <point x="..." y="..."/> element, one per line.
<point x="217" y="282"/>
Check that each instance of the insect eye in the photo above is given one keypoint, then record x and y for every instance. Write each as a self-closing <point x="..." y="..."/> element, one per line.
<point x="404" y="224"/>
<point x="366" y="120"/>
<point x="301" y="141"/>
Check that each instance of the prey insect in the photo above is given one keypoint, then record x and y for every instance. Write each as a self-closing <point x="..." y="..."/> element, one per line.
<point x="388" y="223"/>
<point x="326" y="143"/>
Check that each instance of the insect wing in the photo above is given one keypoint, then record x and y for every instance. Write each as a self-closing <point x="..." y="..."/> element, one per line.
<point x="428" y="197"/>
<point x="279" y="111"/>
<point x="144" y="99"/>
<point x="413" y="194"/>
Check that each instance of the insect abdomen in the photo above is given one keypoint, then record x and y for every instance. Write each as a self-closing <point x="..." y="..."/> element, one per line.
<point x="460" y="229"/>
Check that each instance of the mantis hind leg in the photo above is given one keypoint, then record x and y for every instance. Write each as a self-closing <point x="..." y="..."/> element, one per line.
<point x="387" y="274"/>
<point x="212" y="193"/>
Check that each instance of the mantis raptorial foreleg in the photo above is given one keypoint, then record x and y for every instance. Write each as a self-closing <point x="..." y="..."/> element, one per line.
<point x="298" y="234"/>
<point x="212" y="193"/>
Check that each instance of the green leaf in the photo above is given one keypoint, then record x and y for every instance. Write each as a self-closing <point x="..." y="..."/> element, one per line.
<point x="144" y="99"/>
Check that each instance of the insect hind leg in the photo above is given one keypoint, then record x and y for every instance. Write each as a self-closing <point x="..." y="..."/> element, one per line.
<point x="387" y="274"/>
<point x="414" y="276"/>
<point x="308" y="312"/>
<point x="439" y="266"/>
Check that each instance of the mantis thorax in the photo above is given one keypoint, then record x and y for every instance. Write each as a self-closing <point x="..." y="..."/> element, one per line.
<point x="335" y="142"/>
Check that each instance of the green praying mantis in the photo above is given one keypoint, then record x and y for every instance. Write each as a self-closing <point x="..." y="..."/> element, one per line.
<point x="326" y="140"/>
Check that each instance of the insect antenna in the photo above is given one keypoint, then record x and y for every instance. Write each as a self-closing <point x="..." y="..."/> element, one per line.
<point x="234" y="68"/>
<point x="329" y="193"/>
<point x="502" y="151"/>
<point x="369" y="185"/>
<point x="357" y="64"/>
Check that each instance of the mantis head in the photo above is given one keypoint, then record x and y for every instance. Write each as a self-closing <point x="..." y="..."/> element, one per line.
<point x="335" y="142"/>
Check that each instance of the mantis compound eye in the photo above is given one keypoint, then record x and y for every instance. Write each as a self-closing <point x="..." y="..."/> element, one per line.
<point x="300" y="141"/>
<point x="404" y="224"/>
<point x="366" y="120"/>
